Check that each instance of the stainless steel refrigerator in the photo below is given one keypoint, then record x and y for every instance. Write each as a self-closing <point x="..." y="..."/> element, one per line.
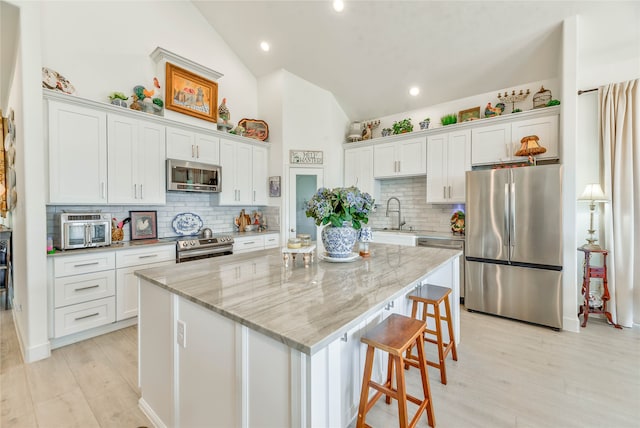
<point x="513" y="230"/>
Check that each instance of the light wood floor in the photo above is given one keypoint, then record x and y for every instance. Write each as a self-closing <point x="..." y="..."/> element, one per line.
<point x="508" y="374"/>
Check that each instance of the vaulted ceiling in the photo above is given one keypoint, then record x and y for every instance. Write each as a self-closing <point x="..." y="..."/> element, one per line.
<point x="372" y="52"/>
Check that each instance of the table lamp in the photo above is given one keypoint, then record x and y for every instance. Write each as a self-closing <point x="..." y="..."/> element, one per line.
<point x="530" y="147"/>
<point x="592" y="193"/>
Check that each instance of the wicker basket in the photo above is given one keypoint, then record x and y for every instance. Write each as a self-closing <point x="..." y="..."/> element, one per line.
<point x="116" y="234"/>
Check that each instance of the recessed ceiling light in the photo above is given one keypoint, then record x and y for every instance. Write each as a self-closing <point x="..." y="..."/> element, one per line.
<point x="265" y="46"/>
<point x="338" y="5"/>
<point x="414" y="91"/>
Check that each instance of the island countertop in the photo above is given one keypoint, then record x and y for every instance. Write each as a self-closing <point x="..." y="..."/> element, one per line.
<point x="304" y="308"/>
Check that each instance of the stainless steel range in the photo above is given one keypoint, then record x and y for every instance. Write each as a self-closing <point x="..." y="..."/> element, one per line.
<point x="195" y="248"/>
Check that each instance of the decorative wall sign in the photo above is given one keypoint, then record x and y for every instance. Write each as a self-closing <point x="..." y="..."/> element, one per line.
<point x="312" y="157"/>
<point x="191" y="94"/>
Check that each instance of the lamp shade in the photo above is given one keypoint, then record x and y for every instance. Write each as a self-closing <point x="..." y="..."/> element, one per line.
<point x="529" y="146"/>
<point x="592" y="192"/>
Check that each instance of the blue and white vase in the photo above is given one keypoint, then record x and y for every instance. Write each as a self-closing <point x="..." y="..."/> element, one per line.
<point x="339" y="241"/>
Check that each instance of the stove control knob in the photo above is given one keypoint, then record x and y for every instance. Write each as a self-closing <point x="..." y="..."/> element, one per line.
<point x="193" y="243"/>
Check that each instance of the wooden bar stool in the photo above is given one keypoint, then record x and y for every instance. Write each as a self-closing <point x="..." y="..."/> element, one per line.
<point x="395" y="335"/>
<point x="434" y="295"/>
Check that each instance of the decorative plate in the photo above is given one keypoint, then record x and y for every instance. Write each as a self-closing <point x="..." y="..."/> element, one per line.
<point x="352" y="258"/>
<point x="187" y="224"/>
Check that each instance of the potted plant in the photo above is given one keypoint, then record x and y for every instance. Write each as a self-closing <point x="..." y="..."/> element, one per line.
<point x="425" y="123"/>
<point x="402" y="126"/>
<point x="343" y="210"/>
<point x="118" y="99"/>
<point x="449" y="119"/>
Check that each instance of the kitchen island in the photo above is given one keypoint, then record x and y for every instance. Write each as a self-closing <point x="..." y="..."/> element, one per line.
<point x="243" y="340"/>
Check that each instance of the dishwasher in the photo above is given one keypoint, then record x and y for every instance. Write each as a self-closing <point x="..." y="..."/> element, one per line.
<point x="449" y="244"/>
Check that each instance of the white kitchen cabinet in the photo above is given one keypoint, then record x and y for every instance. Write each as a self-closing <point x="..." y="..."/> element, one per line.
<point x="245" y="244"/>
<point x="402" y="158"/>
<point x="83" y="287"/>
<point x="77" y="154"/>
<point x="187" y="145"/>
<point x="498" y="143"/>
<point x="358" y="168"/>
<point x="260" y="178"/>
<point x="136" y="161"/>
<point x="448" y="159"/>
<point x="244" y="173"/>
<point x="129" y="261"/>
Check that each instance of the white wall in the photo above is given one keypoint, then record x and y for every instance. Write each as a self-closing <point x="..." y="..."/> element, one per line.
<point x="435" y="112"/>
<point x="100" y="47"/>
<point x="111" y="53"/>
<point x="29" y="226"/>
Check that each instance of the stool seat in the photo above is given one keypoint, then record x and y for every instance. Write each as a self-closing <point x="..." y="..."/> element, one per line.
<point x="434" y="295"/>
<point x="395" y="335"/>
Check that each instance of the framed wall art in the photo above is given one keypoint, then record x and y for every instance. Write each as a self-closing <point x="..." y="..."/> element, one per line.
<point x="254" y="128"/>
<point x="274" y="186"/>
<point x="469" y="114"/>
<point x="143" y="225"/>
<point x="191" y="94"/>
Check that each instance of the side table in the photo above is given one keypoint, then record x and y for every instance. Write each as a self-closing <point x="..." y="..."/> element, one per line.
<point x="590" y="272"/>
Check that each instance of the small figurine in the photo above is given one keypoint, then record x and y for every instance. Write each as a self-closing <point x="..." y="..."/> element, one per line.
<point x="366" y="132"/>
<point x="490" y="111"/>
<point x="223" y="112"/>
<point x="135" y="105"/>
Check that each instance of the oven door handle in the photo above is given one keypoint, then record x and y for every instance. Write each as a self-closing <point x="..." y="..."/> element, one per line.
<point x="183" y="255"/>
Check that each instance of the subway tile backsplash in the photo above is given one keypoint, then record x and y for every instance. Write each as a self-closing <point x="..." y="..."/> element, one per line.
<point x="416" y="212"/>
<point x="219" y="219"/>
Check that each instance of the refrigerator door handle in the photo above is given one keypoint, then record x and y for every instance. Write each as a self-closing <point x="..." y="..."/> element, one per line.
<point x="512" y="231"/>
<point x="506" y="216"/>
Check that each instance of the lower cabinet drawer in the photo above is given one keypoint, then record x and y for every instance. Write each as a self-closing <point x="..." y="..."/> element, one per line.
<point x="70" y="290"/>
<point x="253" y="243"/>
<point x="272" y="241"/>
<point x="83" y="316"/>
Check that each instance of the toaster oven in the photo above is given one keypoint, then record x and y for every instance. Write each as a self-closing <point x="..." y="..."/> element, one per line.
<point x="82" y="230"/>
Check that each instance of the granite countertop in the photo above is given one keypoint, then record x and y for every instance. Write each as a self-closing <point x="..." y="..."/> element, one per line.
<point x="304" y="308"/>
<point x="119" y="245"/>
<point x="432" y="234"/>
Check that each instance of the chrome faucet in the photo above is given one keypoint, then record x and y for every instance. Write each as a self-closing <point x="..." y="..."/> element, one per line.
<point x="399" y="211"/>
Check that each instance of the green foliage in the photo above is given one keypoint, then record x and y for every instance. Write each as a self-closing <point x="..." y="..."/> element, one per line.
<point x="139" y="91"/>
<point x="339" y="205"/>
<point x="553" y="103"/>
<point x="449" y="119"/>
<point x="158" y="102"/>
<point x="118" y="96"/>
<point x="516" y="110"/>
<point x="402" y="126"/>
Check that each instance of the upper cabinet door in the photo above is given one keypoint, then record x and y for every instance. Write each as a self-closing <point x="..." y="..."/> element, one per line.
<point x="151" y="164"/>
<point x="77" y="154"/>
<point x="260" y="178"/>
<point x="123" y="155"/>
<point x="207" y="149"/>
<point x="491" y="144"/>
<point x="181" y="144"/>
<point x="403" y="158"/>
<point x="546" y="128"/>
<point x="412" y="157"/>
<point x="358" y="169"/>
<point x="437" y="168"/>
<point x="458" y="163"/>
<point x="192" y="146"/>
<point x="385" y="163"/>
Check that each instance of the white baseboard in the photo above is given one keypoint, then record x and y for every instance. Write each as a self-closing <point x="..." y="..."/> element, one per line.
<point x="149" y="413"/>
<point x="88" y="334"/>
<point x="33" y="353"/>
<point x="571" y="324"/>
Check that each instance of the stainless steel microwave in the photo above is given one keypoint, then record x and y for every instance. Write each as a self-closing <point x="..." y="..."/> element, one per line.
<point x="187" y="176"/>
<point x="82" y="230"/>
